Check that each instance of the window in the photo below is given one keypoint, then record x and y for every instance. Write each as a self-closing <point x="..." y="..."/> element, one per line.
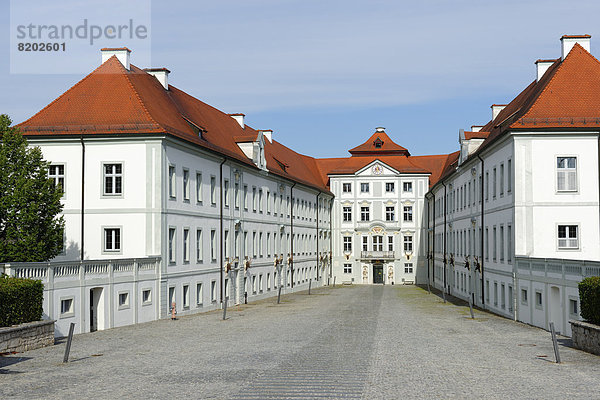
<point x="524" y="297"/>
<point x="408" y="213"/>
<point x="66" y="308"/>
<point x="487" y="291"/>
<point x="186" y="245"/>
<point x="123" y="300"/>
<point x="365" y="243"/>
<point x="186" y="296"/>
<point x="186" y="184"/>
<point x="226" y="192"/>
<point x="347" y="268"/>
<point x="510" y="298"/>
<point x="113" y="179"/>
<point x="538" y="300"/>
<point x="260" y="200"/>
<point x="501" y="243"/>
<point x="390" y="243"/>
<point x="377" y="243"/>
<point x="347" y="214"/>
<point x="213" y="190"/>
<point x="501" y="179"/>
<point x="364" y="188"/>
<point x="254" y="245"/>
<point x="487" y="185"/>
<point x="346" y="187"/>
<point x="146" y="297"/>
<point x="494" y="186"/>
<point x="502" y="296"/>
<point x="573" y="309"/>
<point x="57" y="174"/>
<point x="408" y="268"/>
<point x="567" y="237"/>
<point x="389" y="187"/>
<point x="408" y="243"/>
<point x="407" y="187"/>
<point x="509" y="176"/>
<point x="487" y="244"/>
<point x="112" y="239"/>
<point x="198" y="187"/>
<point x="236" y="195"/>
<point x="245" y="197"/>
<point x="199" y="257"/>
<point x="199" y="294"/>
<point x="364" y="213"/>
<point x="494" y="241"/>
<point x="268" y="204"/>
<point x="254" y="199"/>
<point x="260" y="244"/>
<point x="496" y="293"/>
<point x="566" y="174"/>
<point x="509" y="243"/>
<point x="172" y="245"/>
<point x="213" y="245"/>
<point x="172" y="183"/>
<point x="389" y="213"/>
<point x="226" y="243"/>
<point x="347" y="244"/>
<point x="213" y="291"/>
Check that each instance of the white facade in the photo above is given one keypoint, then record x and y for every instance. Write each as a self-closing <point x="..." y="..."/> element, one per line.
<point x="377" y="216"/>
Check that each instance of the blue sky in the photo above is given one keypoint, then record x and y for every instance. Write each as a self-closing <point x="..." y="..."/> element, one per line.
<point x="324" y="74"/>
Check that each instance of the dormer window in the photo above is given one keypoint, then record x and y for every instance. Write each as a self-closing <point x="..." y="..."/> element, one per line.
<point x="378" y="143"/>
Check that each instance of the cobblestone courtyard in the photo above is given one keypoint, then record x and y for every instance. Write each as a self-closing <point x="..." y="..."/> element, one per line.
<point x="369" y="342"/>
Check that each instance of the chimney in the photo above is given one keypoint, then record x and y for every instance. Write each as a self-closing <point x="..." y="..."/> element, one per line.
<point x="542" y="66"/>
<point x="162" y="74"/>
<point x="380" y="129"/>
<point x="239" y="118"/>
<point x="496" y="108"/>
<point x="122" y="54"/>
<point x="268" y="133"/>
<point x="568" y="41"/>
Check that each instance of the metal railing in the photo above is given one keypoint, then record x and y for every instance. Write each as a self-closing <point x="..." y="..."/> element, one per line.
<point x="567" y="269"/>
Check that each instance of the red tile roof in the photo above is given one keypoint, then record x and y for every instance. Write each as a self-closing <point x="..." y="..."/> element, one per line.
<point x="566" y="97"/>
<point x="114" y="101"/>
<point x="476" y="135"/>
<point x="388" y="146"/>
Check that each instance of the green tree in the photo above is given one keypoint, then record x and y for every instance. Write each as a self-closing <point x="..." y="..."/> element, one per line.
<point x="30" y="226"/>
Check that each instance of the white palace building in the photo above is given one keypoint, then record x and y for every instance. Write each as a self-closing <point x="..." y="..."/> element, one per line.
<point x="169" y="200"/>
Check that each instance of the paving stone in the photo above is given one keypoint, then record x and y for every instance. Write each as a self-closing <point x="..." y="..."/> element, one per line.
<point x="370" y="342"/>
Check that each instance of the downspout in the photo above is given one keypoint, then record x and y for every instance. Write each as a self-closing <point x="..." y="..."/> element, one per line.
<point x="433" y="241"/>
<point x="428" y="244"/>
<point x="330" y="241"/>
<point x="444" y="238"/>
<point x="82" y="196"/>
<point x="482" y="229"/>
<point x="292" y="234"/>
<point x="317" y="252"/>
<point x="222" y="261"/>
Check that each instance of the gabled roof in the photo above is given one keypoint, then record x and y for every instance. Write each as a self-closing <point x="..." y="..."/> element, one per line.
<point x="115" y="101"/>
<point x="567" y="97"/>
<point x="379" y="144"/>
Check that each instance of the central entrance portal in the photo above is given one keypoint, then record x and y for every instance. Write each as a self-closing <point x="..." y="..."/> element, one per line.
<point x="377" y="273"/>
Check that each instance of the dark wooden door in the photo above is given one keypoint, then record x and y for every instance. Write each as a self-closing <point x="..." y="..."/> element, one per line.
<point x="377" y="273"/>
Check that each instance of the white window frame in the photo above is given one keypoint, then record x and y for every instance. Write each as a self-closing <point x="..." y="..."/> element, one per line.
<point x="567" y="245"/>
<point x="408" y="243"/>
<point x="125" y="304"/>
<point x="365" y="187"/>
<point x="390" y="213"/>
<point x="113" y="250"/>
<point x="58" y="178"/>
<point x="186" y="184"/>
<point x="199" y="245"/>
<point x="172" y="244"/>
<point x="70" y="312"/>
<point x="365" y="213"/>
<point x="393" y="187"/>
<point x="347" y="185"/>
<point x="566" y="172"/>
<point x="407" y="187"/>
<point x="199" y="187"/>
<point x="407" y="213"/>
<point x="347" y="244"/>
<point x="147" y="301"/>
<point x="347" y="268"/>
<point x="115" y="176"/>
<point x="186" y="245"/>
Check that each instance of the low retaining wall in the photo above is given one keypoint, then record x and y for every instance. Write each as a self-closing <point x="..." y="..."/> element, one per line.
<point x="29" y="336"/>
<point x="586" y="336"/>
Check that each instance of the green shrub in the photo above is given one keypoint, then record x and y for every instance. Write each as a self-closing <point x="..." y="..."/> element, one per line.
<point x="20" y="300"/>
<point x="589" y="294"/>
